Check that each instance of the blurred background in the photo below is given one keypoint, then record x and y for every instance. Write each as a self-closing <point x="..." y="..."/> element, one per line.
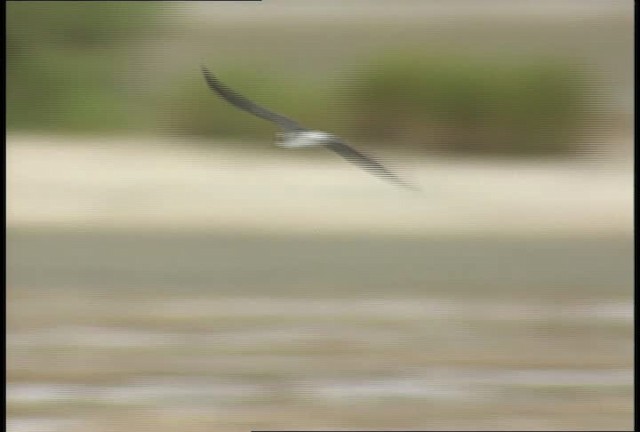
<point x="169" y="268"/>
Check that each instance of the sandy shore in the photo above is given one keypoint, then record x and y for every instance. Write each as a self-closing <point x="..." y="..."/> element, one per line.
<point x="152" y="183"/>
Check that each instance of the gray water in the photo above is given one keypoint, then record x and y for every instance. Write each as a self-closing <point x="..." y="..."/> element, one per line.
<point x="319" y="266"/>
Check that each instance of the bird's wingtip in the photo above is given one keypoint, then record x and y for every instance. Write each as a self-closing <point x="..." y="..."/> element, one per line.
<point x="207" y="72"/>
<point x="409" y="187"/>
<point x="208" y="76"/>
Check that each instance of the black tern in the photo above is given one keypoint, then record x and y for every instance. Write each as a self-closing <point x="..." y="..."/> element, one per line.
<point x="295" y="135"/>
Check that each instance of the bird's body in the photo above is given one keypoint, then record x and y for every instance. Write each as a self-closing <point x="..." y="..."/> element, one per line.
<point x="305" y="138"/>
<point x="295" y="135"/>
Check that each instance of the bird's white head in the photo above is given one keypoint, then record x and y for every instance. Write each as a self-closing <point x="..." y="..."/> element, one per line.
<point x="304" y="139"/>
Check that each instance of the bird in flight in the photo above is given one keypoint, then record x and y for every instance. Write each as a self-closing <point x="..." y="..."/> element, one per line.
<point x="294" y="135"/>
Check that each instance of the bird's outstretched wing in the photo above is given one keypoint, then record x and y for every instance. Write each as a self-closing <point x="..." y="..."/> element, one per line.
<point x="247" y="105"/>
<point x="368" y="164"/>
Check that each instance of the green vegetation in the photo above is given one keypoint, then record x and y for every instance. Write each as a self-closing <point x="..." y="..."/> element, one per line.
<point x="69" y="70"/>
<point x="453" y="104"/>
<point x="465" y="105"/>
<point x="66" y="62"/>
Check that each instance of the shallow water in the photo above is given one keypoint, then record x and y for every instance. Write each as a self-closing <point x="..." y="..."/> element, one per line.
<point x="114" y="331"/>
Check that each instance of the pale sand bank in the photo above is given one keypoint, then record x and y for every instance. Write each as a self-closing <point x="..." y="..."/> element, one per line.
<point x="132" y="183"/>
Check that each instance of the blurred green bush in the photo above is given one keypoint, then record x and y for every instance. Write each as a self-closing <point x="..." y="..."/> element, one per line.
<point x="65" y="63"/>
<point x="465" y="105"/>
